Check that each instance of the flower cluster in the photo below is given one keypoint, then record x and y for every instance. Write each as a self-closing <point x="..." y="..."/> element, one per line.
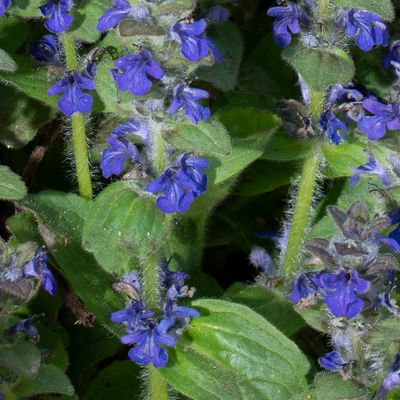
<point x="149" y="330"/>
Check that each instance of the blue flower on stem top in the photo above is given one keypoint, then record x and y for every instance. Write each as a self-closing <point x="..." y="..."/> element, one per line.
<point x="332" y="125"/>
<point x="180" y="184"/>
<point x="133" y="127"/>
<point x="148" y="338"/>
<point x="73" y="99"/>
<point x="340" y="292"/>
<point x="45" y="50"/>
<point x="369" y="28"/>
<point x="136" y="69"/>
<point x="387" y="117"/>
<point x="122" y="9"/>
<point x="37" y="268"/>
<point x="4" y="4"/>
<point x="371" y="167"/>
<point x="195" y="45"/>
<point x="188" y="98"/>
<point x="57" y="12"/>
<point x="392" y="58"/>
<point x="113" y="158"/>
<point x="332" y="361"/>
<point x="288" y="19"/>
<point x="305" y="285"/>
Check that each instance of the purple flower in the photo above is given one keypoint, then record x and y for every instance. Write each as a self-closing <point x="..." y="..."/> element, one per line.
<point x="148" y="338"/>
<point x="392" y="379"/>
<point x="180" y="184"/>
<point x="372" y="167"/>
<point x="369" y="28"/>
<point x="90" y="70"/>
<point x="332" y="361"/>
<point x="132" y="316"/>
<point x="135" y="71"/>
<point x="192" y="38"/>
<point x="57" y="12"/>
<point x="24" y="326"/>
<point x="305" y="285"/>
<point x="45" y="50"/>
<point x="341" y="290"/>
<point x="217" y="14"/>
<point x="259" y="258"/>
<point x="288" y="19"/>
<point x="350" y="97"/>
<point x="133" y="127"/>
<point x="174" y="313"/>
<point x="37" y="267"/>
<point x="122" y="9"/>
<point x="4" y="4"/>
<point x="187" y="98"/>
<point x="332" y="126"/>
<point x="73" y="99"/>
<point x="386" y="117"/>
<point x="392" y="58"/>
<point x="113" y="158"/>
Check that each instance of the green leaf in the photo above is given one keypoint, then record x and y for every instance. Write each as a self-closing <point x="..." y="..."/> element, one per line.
<point x="11" y="185"/>
<point x="383" y="8"/>
<point x="32" y="81"/>
<point x="122" y="227"/>
<point x="320" y="67"/>
<point x="50" y="379"/>
<point x="23" y="358"/>
<point x="342" y="157"/>
<point x="385" y="330"/>
<point x="6" y="62"/>
<point x="255" y="180"/>
<point x="207" y="137"/>
<point x="26" y="8"/>
<point x="21" y="117"/>
<point x="330" y="386"/>
<point x="13" y="33"/>
<point x="60" y="218"/>
<point x="231" y="352"/>
<point x="86" y="19"/>
<point x="271" y="304"/>
<point x="283" y="147"/>
<point x="229" y="42"/>
<point x="120" y="380"/>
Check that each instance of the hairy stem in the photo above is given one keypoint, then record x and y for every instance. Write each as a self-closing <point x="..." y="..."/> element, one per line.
<point x="157" y="385"/>
<point x="78" y="129"/>
<point x="160" y="148"/>
<point x="301" y="212"/>
<point x="323" y="9"/>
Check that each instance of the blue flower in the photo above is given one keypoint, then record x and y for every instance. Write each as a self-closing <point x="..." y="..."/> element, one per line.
<point x="372" y="167"/>
<point x="4" y="4"/>
<point x="122" y="9"/>
<point x="37" y="267"/>
<point x="349" y="98"/>
<point x="24" y="326"/>
<point x="133" y="127"/>
<point x="90" y="70"/>
<point x="180" y="184"/>
<point x="392" y="379"/>
<point x="332" y="361"/>
<point x="340" y="292"/>
<point x="260" y="259"/>
<point x="148" y="338"/>
<point x="217" y="14"/>
<point x="57" y="12"/>
<point x="332" y="126"/>
<point x="192" y="38"/>
<point x="288" y="19"/>
<point x="135" y="71"/>
<point x="187" y="98"/>
<point x="386" y="117"/>
<point x="392" y="58"/>
<point x="175" y="313"/>
<point x="113" y="158"/>
<point x="73" y="99"/>
<point x="133" y="315"/>
<point x="305" y="286"/>
<point x="45" y="50"/>
<point x="369" y="28"/>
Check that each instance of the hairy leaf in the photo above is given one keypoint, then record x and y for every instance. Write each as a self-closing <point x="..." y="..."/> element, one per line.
<point x="11" y="185"/>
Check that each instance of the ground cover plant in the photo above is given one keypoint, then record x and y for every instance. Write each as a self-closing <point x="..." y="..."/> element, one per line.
<point x="199" y="199"/>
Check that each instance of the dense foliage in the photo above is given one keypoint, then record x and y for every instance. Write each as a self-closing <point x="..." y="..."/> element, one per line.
<point x="200" y="199"/>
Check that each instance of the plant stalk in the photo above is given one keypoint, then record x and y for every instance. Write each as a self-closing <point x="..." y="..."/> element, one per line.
<point x="78" y="129"/>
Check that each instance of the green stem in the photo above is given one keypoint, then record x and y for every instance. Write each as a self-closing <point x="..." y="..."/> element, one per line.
<point x="317" y="99"/>
<point x="157" y="385"/>
<point x="301" y="212"/>
<point x="78" y="129"/>
<point x="323" y="9"/>
<point x="160" y="147"/>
